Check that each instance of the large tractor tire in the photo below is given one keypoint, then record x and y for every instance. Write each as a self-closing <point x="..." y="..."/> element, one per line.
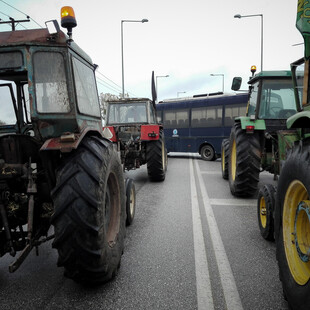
<point x="244" y="162"/>
<point x="90" y="213"/>
<point x="265" y="211"/>
<point x="224" y="159"/>
<point x="156" y="158"/>
<point x="292" y="227"/>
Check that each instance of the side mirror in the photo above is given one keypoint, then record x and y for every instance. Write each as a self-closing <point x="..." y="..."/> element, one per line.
<point x="236" y="83"/>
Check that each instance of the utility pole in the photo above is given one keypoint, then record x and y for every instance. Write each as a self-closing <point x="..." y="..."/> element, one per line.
<point x="13" y="22"/>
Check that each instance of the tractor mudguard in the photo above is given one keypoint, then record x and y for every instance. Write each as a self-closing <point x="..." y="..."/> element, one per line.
<point x="67" y="142"/>
<point x="299" y="120"/>
<point x="259" y="124"/>
<point x="149" y="132"/>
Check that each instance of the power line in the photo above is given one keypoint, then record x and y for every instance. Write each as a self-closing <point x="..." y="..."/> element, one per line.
<point x="104" y="84"/>
<point x="118" y="89"/>
<point x="109" y="80"/>
<point x="20" y="12"/>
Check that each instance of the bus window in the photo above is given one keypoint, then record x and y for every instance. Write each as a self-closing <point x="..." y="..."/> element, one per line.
<point x="207" y="117"/>
<point x="176" y="118"/>
<point x="233" y="111"/>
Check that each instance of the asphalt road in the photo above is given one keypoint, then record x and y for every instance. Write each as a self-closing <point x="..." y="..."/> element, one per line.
<point x="192" y="245"/>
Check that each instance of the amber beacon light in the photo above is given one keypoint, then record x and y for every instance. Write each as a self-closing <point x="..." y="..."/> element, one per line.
<point x="68" y="19"/>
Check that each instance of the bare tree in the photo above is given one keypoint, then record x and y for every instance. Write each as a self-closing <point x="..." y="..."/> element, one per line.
<point x="103" y="103"/>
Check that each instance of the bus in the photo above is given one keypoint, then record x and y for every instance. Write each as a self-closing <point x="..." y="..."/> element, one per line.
<point x="198" y="124"/>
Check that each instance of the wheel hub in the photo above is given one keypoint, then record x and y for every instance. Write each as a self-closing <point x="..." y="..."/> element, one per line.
<point x="301" y="238"/>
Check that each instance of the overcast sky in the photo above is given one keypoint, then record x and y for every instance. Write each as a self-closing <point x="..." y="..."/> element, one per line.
<point x="187" y="40"/>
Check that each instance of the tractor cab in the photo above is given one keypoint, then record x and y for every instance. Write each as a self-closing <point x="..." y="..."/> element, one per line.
<point x="271" y="98"/>
<point x="130" y="111"/>
<point x="47" y="83"/>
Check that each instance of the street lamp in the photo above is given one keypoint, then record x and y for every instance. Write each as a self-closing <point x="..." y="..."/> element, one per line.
<point x="180" y="92"/>
<point x="222" y="75"/>
<point x="122" y="39"/>
<point x="159" y="76"/>
<point x="262" y="30"/>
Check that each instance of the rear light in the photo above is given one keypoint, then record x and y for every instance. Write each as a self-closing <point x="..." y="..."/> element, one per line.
<point x="152" y="134"/>
<point x="249" y="129"/>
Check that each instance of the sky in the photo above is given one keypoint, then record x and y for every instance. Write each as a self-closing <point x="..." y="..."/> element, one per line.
<point x="187" y="40"/>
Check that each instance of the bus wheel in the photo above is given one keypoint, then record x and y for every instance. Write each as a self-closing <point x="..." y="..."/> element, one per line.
<point x="224" y="160"/>
<point x="244" y="162"/>
<point x="292" y="219"/>
<point x="265" y="209"/>
<point x="207" y="153"/>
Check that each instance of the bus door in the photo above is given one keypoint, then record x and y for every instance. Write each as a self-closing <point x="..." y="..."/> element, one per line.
<point x="177" y="136"/>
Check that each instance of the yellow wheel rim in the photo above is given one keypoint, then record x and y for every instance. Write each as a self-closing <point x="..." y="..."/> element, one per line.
<point x="263" y="212"/>
<point x="233" y="160"/>
<point x="296" y="231"/>
<point x="223" y="159"/>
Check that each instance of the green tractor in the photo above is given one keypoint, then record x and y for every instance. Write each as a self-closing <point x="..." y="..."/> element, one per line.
<point x="292" y="207"/>
<point x="258" y="141"/>
<point x="56" y="167"/>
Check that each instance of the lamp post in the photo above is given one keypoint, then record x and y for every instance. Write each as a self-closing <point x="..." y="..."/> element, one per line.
<point x="122" y="46"/>
<point x="159" y="76"/>
<point x="222" y="75"/>
<point x="180" y="92"/>
<point x="262" y="31"/>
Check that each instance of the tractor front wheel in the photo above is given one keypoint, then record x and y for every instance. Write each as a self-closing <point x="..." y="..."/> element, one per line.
<point x="224" y="159"/>
<point x="292" y="219"/>
<point x="265" y="211"/>
<point x="130" y="201"/>
<point x="89" y="218"/>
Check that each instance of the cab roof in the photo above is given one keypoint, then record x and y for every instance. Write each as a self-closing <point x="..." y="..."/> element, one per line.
<point x="270" y="75"/>
<point x="39" y="37"/>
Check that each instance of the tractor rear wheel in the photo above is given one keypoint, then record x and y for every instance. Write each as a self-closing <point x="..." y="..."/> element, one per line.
<point x="224" y="159"/>
<point x="89" y="218"/>
<point x="265" y="211"/>
<point x="292" y="219"/>
<point x="244" y="162"/>
<point x="156" y="158"/>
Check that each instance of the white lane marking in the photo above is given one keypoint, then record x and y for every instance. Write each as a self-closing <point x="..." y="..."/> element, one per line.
<point x="234" y="202"/>
<point x="232" y="298"/>
<point x="211" y="172"/>
<point x="204" y="290"/>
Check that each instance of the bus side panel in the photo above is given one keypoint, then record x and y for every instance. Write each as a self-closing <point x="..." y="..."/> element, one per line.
<point x="178" y="140"/>
<point x="212" y="136"/>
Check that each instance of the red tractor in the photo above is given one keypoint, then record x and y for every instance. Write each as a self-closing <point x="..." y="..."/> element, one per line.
<point x="132" y="124"/>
